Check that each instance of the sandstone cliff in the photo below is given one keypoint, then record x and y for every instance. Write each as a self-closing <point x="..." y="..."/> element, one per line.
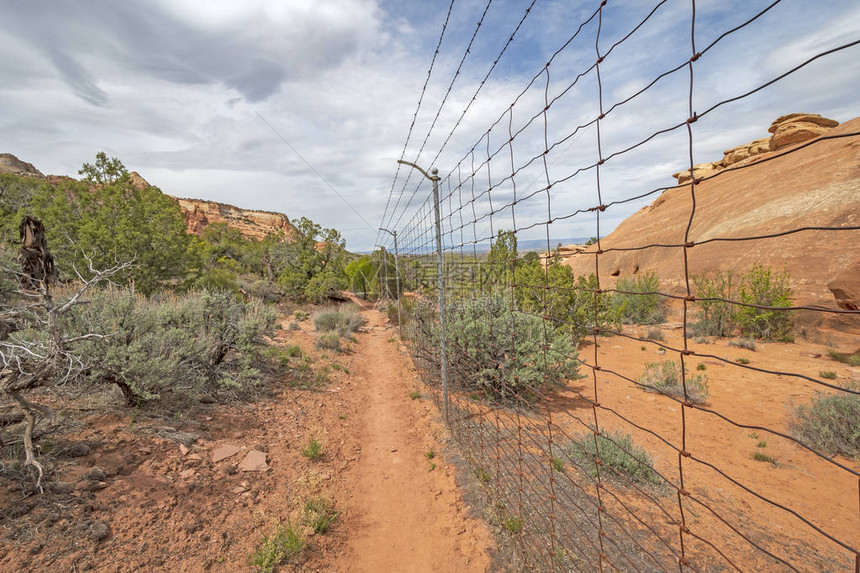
<point x="198" y="213"/>
<point x="816" y="186"/>
<point x="252" y="224"/>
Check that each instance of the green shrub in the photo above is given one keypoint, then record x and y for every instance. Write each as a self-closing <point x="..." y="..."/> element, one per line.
<point x="313" y="449"/>
<point x="512" y="523"/>
<point x="714" y="317"/>
<point x="643" y="306"/>
<point x="194" y="344"/>
<point x="745" y="343"/>
<point x="319" y="514"/>
<point x="827" y="374"/>
<point x="503" y="352"/>
<point x="655" y="333"/>
<point x="665" y="377"/>
<point x="762" y="286"/>
<point x="830" y="422"/>
<point x="742" y="360"/>
<point x="844" y="357"/>
<point x="616" y="450"/>
<point x="282" y="544"/>
<point x="329" y="342"/>
<point x="344" y="320"/>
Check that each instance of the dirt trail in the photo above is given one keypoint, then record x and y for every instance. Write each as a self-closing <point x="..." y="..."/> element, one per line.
<point x="156" y="505"/>
<point x="404" y="512"/>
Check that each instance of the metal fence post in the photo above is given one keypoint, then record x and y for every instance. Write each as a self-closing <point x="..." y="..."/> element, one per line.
<point x="396" y="280"/>
<point x="439" y="260"/>
<point x="434" y="177"/>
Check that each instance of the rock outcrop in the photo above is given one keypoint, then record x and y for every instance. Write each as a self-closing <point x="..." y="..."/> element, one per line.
<point x="14" y="166"/>
<point x="817" y="186"/>
<point x="787" y="130"/>
<point x="252" y="224"/>
<point x="845" y="287"/>
<point x="198" y="213"/>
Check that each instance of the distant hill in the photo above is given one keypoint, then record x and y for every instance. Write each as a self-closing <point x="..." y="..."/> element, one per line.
<point x="762" y="193"/>
<point x="199" y="213"/>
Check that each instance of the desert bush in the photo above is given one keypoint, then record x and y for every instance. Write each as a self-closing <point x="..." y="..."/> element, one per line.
<point x="844" y="357"/>
<point x="655" y="333"/>
<point x="569" y="302"/>
<point x="665" y="377"/>
<point x="714" y="317"/>
<point x="329" y="342"/>
<point x="830" y="422"/>
<point x="194" y="344"/>
<point x="616" y="450"/>
<point x="762" y="286"/>
<point x="745" y="343"/>
<point x="283" y="543"/>
<point x="506" y="353"/>
<point x="639" y="304"/>
<point x="344" y="320"/>
<point x="261" y="289"/>
<point x="319" y="514"/>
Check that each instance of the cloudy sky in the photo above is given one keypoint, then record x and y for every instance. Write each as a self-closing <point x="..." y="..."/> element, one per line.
<point x="191" y="93"/>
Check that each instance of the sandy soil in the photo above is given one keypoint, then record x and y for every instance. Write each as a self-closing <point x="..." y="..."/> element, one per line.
<point x="125" y="495"/>
<point x="785" y="474"/>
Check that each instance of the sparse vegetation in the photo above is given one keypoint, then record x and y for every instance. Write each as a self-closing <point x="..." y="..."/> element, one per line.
<point x="827" y="374"/>
<point x="430" y="454"/>
<point x="655" y="333"/>
<point x="558" y="465"/>
<point x="665" y="377"/>
<point x="313" y="449"/>
<point x="745" y="343"/>
<point x="701" y="367"/>
<point x="483" y="475"/>
<point x="415" y="395"/>
<point x="742" y="360"/>
<point x="329" y="342"/>
<point x="762" y="457"/>
<point x="319" y="514"/>
<point x="616" y="450"/>
<point x="830" y="422"/>
<point x="511" y="523"/>
<point x="639" y="303"/>
<point x="282" y="544"/>
<point x="844" y="357"/>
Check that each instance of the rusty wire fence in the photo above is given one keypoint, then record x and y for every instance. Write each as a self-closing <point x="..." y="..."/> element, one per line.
<point x="591" y="457"/>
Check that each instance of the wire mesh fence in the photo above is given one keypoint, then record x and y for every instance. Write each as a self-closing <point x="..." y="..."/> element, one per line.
<point x="615" y="418"/>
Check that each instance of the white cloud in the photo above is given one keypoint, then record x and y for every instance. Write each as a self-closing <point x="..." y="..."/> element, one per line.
<point x="174" y="87"/>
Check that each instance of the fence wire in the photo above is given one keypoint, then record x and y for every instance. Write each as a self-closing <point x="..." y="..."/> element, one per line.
<point x="588" y="463"/>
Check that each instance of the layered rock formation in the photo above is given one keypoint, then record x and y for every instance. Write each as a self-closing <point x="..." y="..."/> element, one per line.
<point x="198" y="213"/>
<point x="816" y="186"/>
<point x="252" y="224"/>
<point x="787" y="130"/>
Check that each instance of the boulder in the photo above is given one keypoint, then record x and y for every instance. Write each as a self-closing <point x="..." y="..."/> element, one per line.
<point x="812" y="118"/>
<point x="699" y="171"/>
<point x="795" y="132"/>
<point x="846" y="287"/>
<point x="798" y="127"/>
